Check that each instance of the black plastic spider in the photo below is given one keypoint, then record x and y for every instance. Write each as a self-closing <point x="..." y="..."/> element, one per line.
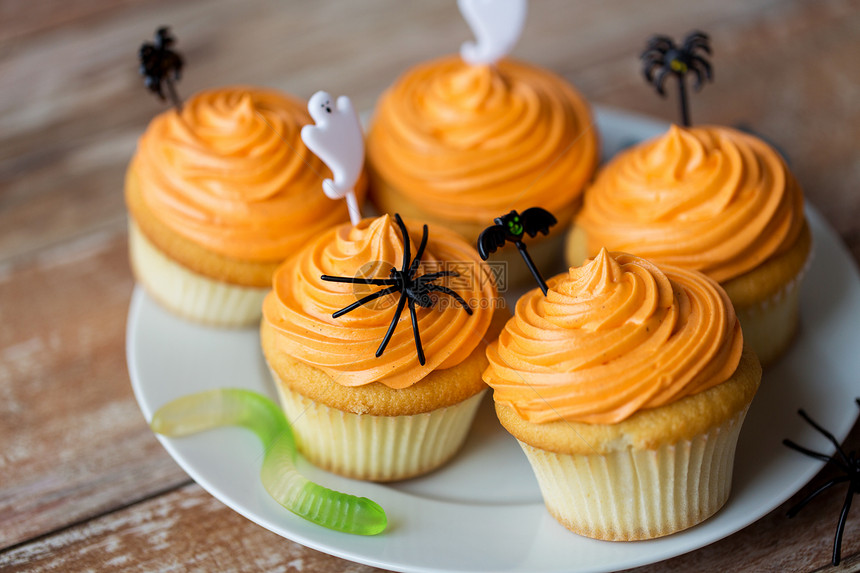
<point x="413" y="290"/>
<point x="664" y="55"/>
<point x="160" y="65"/>
<point x="848" y="463"/>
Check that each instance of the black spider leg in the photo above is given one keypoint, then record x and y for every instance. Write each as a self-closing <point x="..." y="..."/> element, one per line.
<point x="654" y="57"/>
<point x="697" y="40"/>
<point x="659" y="45"/>
<point x="403" y="283"/>
<point x="808" y="452"/>
<point x="843" y="515"/>
<point x="364" y="281"/>
<point x="424" y="283"/>
<point x="840" y="528"/>
<point x="531" y="265"/>
<point x="660" y="80"/>
<point x="359" y="280"/>
<point x="846" y="463"/>
<point x="702" y="68"/>
<point x="398" y="311"/>
<point x="412" y="269"/>
<point x="417" y="261"/>
<point x="830" y="437"/>
<point x="457" y="297"/>
<point x="431" y="276"/>
<point x="365" y="300"/>
<point x="407" y="244"/>
<point x="654" y="60"/>
<point x="650" y="68"/>
<point x="795" y="509"/>
<point x="853" y="487"/>
<point x="415" y="333"/>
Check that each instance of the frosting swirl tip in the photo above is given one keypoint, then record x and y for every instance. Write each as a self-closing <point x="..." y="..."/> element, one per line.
<point x="613" y="336"/>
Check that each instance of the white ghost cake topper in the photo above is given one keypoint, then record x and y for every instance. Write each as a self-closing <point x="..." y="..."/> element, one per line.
<point x="338" y="141"/>
<point x="497" y="25"/>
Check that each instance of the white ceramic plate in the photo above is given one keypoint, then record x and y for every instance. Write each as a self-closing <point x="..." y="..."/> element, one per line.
<point x="483" y="511"/>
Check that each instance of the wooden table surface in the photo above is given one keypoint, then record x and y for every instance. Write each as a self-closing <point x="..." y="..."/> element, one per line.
<point x="83" y="482"/>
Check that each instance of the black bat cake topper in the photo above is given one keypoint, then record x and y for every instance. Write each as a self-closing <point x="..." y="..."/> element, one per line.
<point x="159" y="66"/>
<point x="512" y="227"/>
<point x="662" y="57"/>
<point x="413" y="290"/>
<point x="848" y="463"/>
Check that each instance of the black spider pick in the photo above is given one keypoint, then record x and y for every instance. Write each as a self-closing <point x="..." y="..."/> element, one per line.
<point x="512" y="227"/>
<point x="413" y="290"/>
<point x="160" y="66"/>
<point x="663" y="57"/>
<point x="849" y="463"/>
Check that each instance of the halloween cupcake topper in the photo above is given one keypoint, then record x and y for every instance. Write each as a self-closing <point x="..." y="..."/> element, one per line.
<point x="848" y="464"/>
<point x="496" y="24"/>
<point x="512" y="227"/>
<point x="662" y="58"/>
<point x="160" y="66"/>
<point x="338" y="141"/>
<point x="413" y="290"/>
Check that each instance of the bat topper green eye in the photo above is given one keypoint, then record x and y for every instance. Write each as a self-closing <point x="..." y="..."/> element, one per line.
<point x="515" y="227"/>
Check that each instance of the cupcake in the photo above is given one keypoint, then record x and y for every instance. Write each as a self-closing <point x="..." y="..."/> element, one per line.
<point x="715" y="200"/>
<point x="219" y="195"/>
<point x="459" y="144"/>
<point x="359" y="408"/>
<point x="626" y="387"/>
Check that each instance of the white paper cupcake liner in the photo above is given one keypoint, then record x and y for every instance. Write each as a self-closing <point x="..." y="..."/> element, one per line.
<point x="376" y="448"/>
<point x="770" y="326"/>
<point x="639" y="494"/>
<point x="191" y="295"/>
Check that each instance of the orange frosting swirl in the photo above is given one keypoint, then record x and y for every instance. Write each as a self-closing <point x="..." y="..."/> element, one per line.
<point x="301" y="304"/>
<point x="612" y="337"/>
<point x="470" y="142"/>
<point x="707" y="198"/>
<point x="231" y="173"/>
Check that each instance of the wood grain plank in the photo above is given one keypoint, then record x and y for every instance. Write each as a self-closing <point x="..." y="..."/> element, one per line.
<point x="75" y="443"/>
<point x="19" y="20"/>
<point x="185" y="530"/>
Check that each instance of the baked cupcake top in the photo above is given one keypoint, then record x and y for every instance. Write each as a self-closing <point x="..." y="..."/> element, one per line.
<point x="300" y="307"/>
<point x="230" y="173"/>
<point x="466" y="142"/>
<point x="707" y="198"/>
<point x="612" y="337"/>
